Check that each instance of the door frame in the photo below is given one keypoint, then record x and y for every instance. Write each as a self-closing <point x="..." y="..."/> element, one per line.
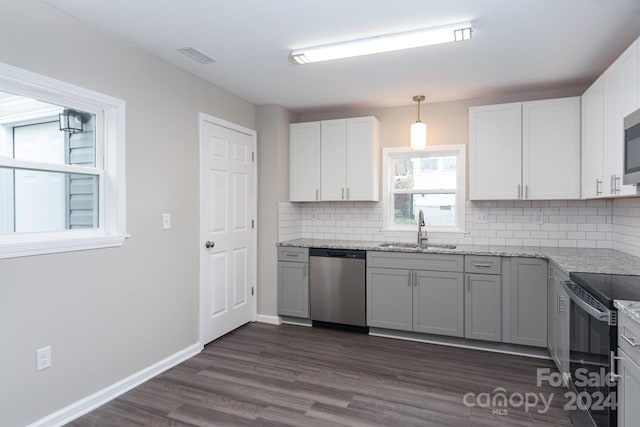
<point x="252" y="273"/>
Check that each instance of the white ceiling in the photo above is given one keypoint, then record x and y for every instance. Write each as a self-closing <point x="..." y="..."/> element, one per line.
<point x="517" y="45"/>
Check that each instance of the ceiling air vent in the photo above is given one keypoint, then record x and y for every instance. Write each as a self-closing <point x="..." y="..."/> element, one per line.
<point x="196" y="54"/>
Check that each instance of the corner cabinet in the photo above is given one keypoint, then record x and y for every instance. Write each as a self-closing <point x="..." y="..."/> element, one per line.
<point x="293" y="282"/>
<point x="334" y="160"/>
<point x="615" y="94"/>
<point x="528" y="150"/>
<point x="629" y="371"/>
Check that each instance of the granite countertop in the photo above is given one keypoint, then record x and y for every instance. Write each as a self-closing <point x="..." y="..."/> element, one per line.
<point x="571" y="260"/>
<point x="629" y="308"/>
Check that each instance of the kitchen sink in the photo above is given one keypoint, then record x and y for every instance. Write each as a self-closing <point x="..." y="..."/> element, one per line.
<point x="417" y="246"/>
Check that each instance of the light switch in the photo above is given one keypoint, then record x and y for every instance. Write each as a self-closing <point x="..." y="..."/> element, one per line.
<point x="482" y="215"/>
<point x="166" y="221"/>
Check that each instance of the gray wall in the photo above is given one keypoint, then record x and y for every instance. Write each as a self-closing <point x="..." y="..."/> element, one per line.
<point x="273" y="187"/>
<point x="124" y="308"/>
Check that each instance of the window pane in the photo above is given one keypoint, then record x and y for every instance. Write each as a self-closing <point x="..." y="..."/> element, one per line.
<point x="34" y="201"/>
<point x="439" y="209"/>
<point x="30" y="130"/>
<point x="425" y="173"/>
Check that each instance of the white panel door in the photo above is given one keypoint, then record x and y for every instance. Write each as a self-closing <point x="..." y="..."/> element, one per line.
<point x="551" y="149"/>
<point x="227" y="207"/>
<point x="333" y="159"/>
<point x="495" y="152"/>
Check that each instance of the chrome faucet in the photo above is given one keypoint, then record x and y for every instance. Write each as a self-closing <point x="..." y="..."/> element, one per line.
<point x="422" y="235"/>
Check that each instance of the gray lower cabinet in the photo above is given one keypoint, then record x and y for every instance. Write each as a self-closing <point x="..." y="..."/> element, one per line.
<point x="629" y="371"/>
<point x="413" y="299"/>
<point x="482" y="307"/>
<point x="438" y="306"/>
<point x="528" y="323"/>
<point x="389" y="298"/>
<point x="293" y="282"/>
<point x="558" y="319"/>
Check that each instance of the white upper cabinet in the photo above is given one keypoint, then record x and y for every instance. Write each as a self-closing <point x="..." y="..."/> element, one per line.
<point x="333" y="159"/>
<point x="593" y="141"/>
<point x="551" y="149"/>
<point x="363" y="158"/>
<point x="620" y="98"/>
<point x="527" y="150"/>
<point x="495" y="151"/>
<point x="345" y="154"/>
<point x="304" y="162"/>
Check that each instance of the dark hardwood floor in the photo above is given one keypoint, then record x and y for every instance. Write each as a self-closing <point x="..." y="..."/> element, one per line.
<point x="289" y="375"/>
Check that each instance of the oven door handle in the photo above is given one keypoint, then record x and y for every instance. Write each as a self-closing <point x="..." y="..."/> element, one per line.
<point x="603" y="316"/>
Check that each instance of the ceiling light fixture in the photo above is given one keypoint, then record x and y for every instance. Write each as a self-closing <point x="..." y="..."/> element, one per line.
<point x="418" y="129"/>
<point x="384" y="43"/>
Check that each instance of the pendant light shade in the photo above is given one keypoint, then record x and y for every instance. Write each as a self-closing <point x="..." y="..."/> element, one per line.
<point x="418" y="129"/>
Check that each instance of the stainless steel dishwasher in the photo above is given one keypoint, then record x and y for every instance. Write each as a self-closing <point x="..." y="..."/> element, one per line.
<point x="337" y="282"/>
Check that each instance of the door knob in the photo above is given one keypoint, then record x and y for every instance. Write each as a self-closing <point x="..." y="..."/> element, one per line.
<point x="209" y="244"/>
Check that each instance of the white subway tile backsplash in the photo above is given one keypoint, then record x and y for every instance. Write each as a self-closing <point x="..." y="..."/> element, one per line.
<point x="565" y="223"/>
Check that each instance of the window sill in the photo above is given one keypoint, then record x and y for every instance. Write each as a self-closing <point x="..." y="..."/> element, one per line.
<point x="431" y="233"/>
<point x="30" y="244"/>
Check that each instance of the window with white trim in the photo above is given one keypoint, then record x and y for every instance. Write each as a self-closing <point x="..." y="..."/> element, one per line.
<point x="61" y="166"/>
<point x="431" y="180"/>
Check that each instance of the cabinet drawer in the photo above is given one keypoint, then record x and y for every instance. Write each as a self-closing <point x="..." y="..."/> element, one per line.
<point x="482" y="264"/>
<point x="628" y="336"/>
<point x="415" y="261"/>
<point x="293" y="254"/>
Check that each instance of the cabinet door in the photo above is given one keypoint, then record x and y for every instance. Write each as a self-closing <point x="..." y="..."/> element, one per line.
<point x="389" y="297"/>
<point x="333" y="159"/>
<point x="562" y="330"/>
<point x="551" y="316"/>
<point x="614" y="131"/>
<point x="293" y="289"/>
<point x="304" y="162"/>
<point x="593" y="141"/>
<point x="482" y="307"/>
<point x="628" y="391"/>
<point x="438" y="303"/>
<point x="629" y="65"/>
<point x="528" y="301"/>
<point x="551" y="149"/>
<point x="363" y="158"/>
<point x="495" y="152"/>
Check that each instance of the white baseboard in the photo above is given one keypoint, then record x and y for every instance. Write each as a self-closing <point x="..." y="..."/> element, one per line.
<point x="273" y="320"/>
<point x="89" y="403"/>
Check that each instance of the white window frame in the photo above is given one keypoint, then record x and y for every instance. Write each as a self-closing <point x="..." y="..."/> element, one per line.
<point x="110" y="165"/>
<point x="388" y="154"/>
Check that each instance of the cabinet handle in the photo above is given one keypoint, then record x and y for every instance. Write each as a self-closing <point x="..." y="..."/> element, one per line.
<point x="477" y="264"/>
<point x="612" y="360"/>
<point x="304" y="270"/>
<point x="632" y="341"/>
<point x="415" y="279"/>
<point x="347" y="193"/>
<point x="468" y="283"/>
<point x="598" y="191"/>
<point x="290" y="254"/>
<point x="410" y="278"/>
<point x="526" y="191"/>
<point x="519" y="191"/>
<point x="561" y="306"/>
<point x="612" y="189"/>
<point x="317" y="191"/>
<point x="616" y="184"/>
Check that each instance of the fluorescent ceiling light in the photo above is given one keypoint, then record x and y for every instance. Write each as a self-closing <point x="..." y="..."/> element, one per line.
<point x="384" y="43"/>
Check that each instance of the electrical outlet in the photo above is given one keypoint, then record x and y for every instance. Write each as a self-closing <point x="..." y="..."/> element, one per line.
<point x="538" y="218"/>
<point x="166" y="221"/>
<point x="43" y="358"/>
<point x="482" y="215"/>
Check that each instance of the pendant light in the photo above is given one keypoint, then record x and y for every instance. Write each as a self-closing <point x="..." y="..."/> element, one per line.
<point x="418" y="129"/>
